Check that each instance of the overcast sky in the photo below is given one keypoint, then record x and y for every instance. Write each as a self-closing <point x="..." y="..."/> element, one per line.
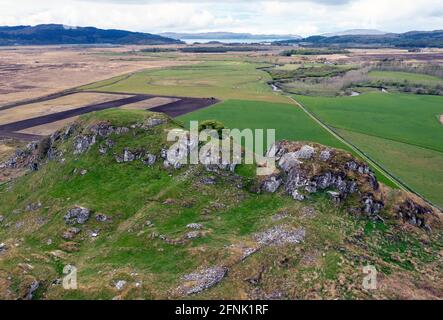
<point x="303" y="17"/>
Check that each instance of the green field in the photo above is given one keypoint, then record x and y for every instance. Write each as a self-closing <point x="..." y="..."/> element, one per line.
<point x="289" y="121"/>
<point x="408" y="124"/>
<point x="220" y="79"/>
<point x="418" y="167"/>
<point x="415" y="78"/>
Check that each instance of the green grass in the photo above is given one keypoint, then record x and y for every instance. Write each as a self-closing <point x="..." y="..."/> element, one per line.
<point x="404" y="118"/>
<point x="289" y="121"/>
<point x="419" y="168"/>
<point x="220" y="79"/>
<point x="400" y="131"/>
<point x="413" y="78"/>
<point x="131" y="194"/>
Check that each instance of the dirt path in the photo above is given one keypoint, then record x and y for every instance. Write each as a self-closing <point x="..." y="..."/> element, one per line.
<point x="441" y="119"/>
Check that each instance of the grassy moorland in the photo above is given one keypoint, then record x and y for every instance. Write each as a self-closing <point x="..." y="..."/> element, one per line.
<point x="220" y="79"/>
<point x="407" y="123"/>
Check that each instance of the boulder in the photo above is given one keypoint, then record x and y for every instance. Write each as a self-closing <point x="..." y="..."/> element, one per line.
<point x="271" y="184"/>
<point x="71" y="233"/>
<point x="414" y="213"/>
<point x="149" y="159"/>
<point x="83" y="143"/>
<point x="120" y="285"/>
<point x="195" y="226"/>
<point x="101" y="217"/>
<point x="201" y="280"/>
<point x="280" y="235"/>
<point x="76" y="215"/>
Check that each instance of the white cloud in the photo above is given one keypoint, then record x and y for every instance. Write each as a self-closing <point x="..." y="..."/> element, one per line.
<point x="304" y="17"/>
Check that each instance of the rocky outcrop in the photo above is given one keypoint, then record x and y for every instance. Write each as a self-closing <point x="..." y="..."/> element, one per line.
<point x="201" y="280"/>
<point x="77" y="215"/>
<point x="304" y="169"/>
<point x="280" y="235"/>
<point x="415" y="214"/>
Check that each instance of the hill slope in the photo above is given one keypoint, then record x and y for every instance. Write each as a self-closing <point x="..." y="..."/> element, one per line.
<point x="101" y="197"/>
<point x="413" y="39"/>
<point x="52" y="34"/>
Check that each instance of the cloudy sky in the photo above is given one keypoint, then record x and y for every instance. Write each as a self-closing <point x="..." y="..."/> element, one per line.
<point x="303" y="17"/>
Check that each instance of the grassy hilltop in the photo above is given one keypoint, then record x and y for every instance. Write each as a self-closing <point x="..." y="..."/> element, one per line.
<point x="150" y="226"/>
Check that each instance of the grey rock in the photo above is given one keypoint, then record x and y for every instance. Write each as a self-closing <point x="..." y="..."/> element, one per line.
<point x="121" y="130"/>
<point x="192" y="235"/>
<point x="77" y="215"/>
<point x="271" y="184"/>
<point x="335" y="196"/>
<point x="195" y="226"/>
<point x="101" y="217"/>
<point x="280" y="235"/>
<point x="71" y="233"/>
<point x="120" y="285"/>
<point x="289" y="161"/>
<point x="31" y="290"/>
<point x="208" y="181"/>
<point x="325" y="155"/>
<point x="202" y="280"/>
<point x="102" y="129"/>
<point x="153" y="122"/>
<point x="2" y="218"/>
<point x="33" y="207"/>
<point x="3" y="247"/>
<point x="102" y="150"/>
<point x="149" y="159"/>
<point x="370" y="206"/>
<point x="306" y="152"/>
<point x="128" y="156"/>
<point x="296" y="179"/>
<point x="83" y="143"/>
<point x="297" y="195"/>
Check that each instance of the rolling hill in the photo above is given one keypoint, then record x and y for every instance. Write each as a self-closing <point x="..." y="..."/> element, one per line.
<point x="412" y="39"/>
<point x="53" y="34"/>
<point x="103" y="198"/>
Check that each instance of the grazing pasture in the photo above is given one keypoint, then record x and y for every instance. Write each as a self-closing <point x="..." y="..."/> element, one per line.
<point x="401" y="117"/>
<point x="413" y="78"/>
<point x="219" y="79"/>
<point x="400" y="131"/>
<point x="289" y="121"/>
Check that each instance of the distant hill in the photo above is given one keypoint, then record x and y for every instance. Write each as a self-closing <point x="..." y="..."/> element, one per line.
<point x="51" y="34"/>
<point x="354" y="32"/>
<point x="412" y="39"/>
<point x="227" y="35"/>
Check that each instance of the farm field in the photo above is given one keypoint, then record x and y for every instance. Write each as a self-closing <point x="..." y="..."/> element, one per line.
<point x="420" y="168"/>
<point x="65" y="103"/>
<point x="407" y="123"/>
<point x="415" y="78"/>
<point x="411" y="119"/>
<point x="289" y="121"/>
<point x="220" y="79"/>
